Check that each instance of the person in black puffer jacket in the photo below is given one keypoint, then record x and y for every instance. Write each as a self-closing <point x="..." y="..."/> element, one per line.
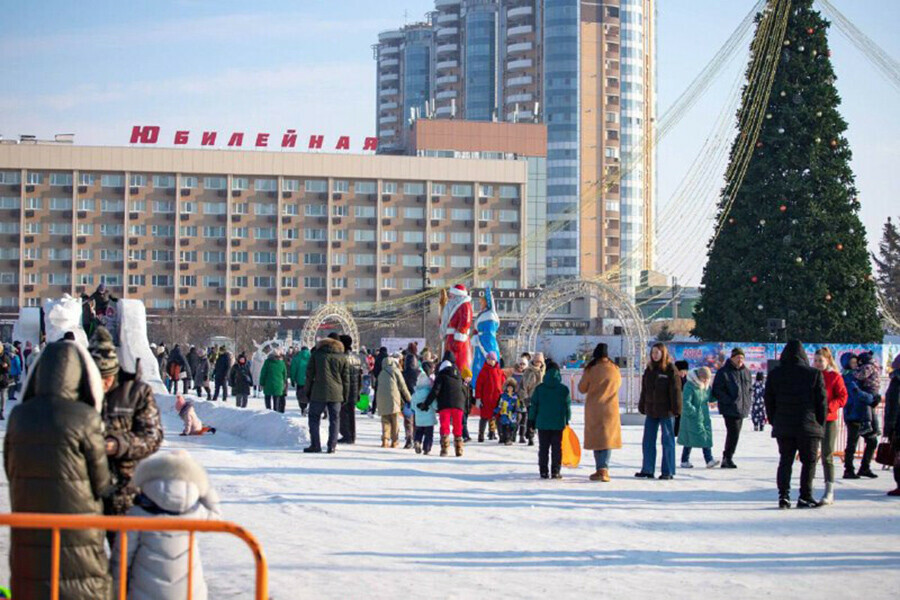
<point x="348" y="408"/>
<point x="220" y="373"/>
<point x="54" y="458"/>
<point x="449" y="393"/>
<point x="661" y="402"/>
<point x="796" y="406"/>
<point x="241" y="380"/>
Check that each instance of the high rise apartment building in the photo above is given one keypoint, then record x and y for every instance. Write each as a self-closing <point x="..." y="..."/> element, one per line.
<point x="585" y="68"/>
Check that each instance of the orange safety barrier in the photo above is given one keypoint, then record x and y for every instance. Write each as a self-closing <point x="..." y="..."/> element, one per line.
<point x="57" y="522"/>
<point x="841" y="443"/>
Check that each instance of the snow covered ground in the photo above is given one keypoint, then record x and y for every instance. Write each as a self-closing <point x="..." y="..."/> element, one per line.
<point x="374" y="523"/>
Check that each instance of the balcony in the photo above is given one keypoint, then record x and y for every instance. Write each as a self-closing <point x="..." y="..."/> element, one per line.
<point x="440" y="4"/>
<point x="447" y="31"/>
<point x="519" y="98"/>
<point x="390" y="35"/>
<point x="523" y="80"/>
<point x="392" y="91"/>
<point x="447" y="64"/>
<point x="388" y="77"/>
<point x="447" y="18"/>
<point x="387" y="133"/>
<point x="446" y="79"/>
<point x="388" y="62"/>
<point x="387" y="106"/>
<point x="519" y="30"/>
<point x="521" y="11"/>
<point x="443" y="110"/>
<point x="387" y="119"/>
<point x="386" y="50"/>
<point x="522" y="63"/>
<point x="445" y="48"/>
<point x="519" y="47"/>
<point x="445" y="94"/>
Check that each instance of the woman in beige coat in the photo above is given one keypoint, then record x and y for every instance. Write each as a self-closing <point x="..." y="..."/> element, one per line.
<point x="602" y="426"/>
<point x="390" y="395"/>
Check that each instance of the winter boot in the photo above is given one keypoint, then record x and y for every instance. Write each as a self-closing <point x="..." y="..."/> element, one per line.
<point x="600" y="475"/>
<point x="556" y="475"/>
<point x="866" y="471"/>
<point x="712" y="464"/>
<point x="408" y="444"/>
<point x="395" y="444"/>
<point x="445" y="445"/>
<point x="784" y="502"/>
<point x="849" y="474"/>
<point x="894" y="493"/>
<point x="828" y="498"/>
<point x="385" y="443"/>
<point x="807" y="503"/>
<point x="492" y="430"/>
<point x="418" y="447"/>
<point x="482" y="425"/>
<point x="458" y="444"/>
<point x="212" y="430"/>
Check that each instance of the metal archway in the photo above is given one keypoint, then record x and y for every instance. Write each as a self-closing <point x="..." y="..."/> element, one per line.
<point x="634" y="330"/>
<point x="323" y="314"/>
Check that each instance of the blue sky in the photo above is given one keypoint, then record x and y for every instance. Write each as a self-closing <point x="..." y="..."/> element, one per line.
<point x="95" y="68"/>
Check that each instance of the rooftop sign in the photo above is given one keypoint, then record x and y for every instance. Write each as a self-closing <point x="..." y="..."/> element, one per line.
<point x="150" y="134"/>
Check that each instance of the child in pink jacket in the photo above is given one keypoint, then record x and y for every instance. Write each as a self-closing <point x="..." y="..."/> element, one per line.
<point x="192" y="423"/>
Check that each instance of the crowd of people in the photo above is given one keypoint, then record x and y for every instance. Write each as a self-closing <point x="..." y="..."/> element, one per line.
<point x="82" y="414"/>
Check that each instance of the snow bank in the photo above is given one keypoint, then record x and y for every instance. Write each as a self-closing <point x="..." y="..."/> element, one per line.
<point x="259" y="426"/>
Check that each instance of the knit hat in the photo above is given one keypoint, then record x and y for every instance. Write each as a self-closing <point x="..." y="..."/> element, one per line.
<point x="682" y="365"/>
<point x="492" y="356"/>
<point x="466" y="373"/>
<point x="103" y="351"/>
<point x="738" y="351"/>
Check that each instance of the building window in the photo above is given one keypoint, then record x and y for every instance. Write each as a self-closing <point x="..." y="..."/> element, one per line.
<point x="163" y="206"/>
<point x="364" y="212"/>
<point x="339" y="283"/>
<point x="138" y="180"/>
<point x="413" y="260"/>
<point x="60" y="204"/>
<point x="414" y="237"/>
<point x="289" y="210"/>
<point x="264" y="281"/>
<point x="509" y="191"/>
<point x="60" y="179"/>
<point x="213" y="257"/>
<point x="240" y="183"/>
<point x="289" y="258"/>
<point x="509" y="216"/>
<point x="33" y="203"/>
<point x="108" y="229"/>
<point x="112" y="181"/>
<point x="414" y="212"/>
<point x="438" y="237"/>
<point x="339" y="259"/>
<point x="190" y="182"/>
<point x="265" y="258"/>
<point x="364" y="260"/>
<point x="9" y="203"/>
<point x="240" y="257"/>
<point x="137" y="206"/>
<point x="342" y="186"/>
<point x="239" y="233"/>
<point x="486" y="191"/>
<point x="437" y="260"/>
<point x="388" y="260"/>
<point x="163" y="230"/>
<point x="137" y="230"/>
<point x="214" y="183"/>
<point x="389" y="212"/>
<point x="112" y="206"/>
<point x="215" y="208"/>
<point x="461" y="190"/>
<point x="84" y="254"/>
<point x="239" y="281"/>
<point x="389" y="235"/>
<point x="313" y="258"/>
<point x="188" y="231"/>
<point x="339" y="210"/>
<point x="364" y="235"/>
<point x="314" y="235"/>
<point x="137" y="255"/>
<point x="461" y="214"/>
<point x="290" y="234"/>
<point x="365" y="187"/>
<point x="239" y="208"/>
<point x="165" y="182"/>
<point x="316" y="210"/>
<point x="461" y="237"/>
<point x="438" y="189"/>
<point x="60" y="229"/>
<point x="414" y="189"/>
<point x="265" y="185"/>
<point x="486" y="215"/>
<point x="290" y="185"/>
<point x="316" y="185"/>
<point x="364" y="283"/>
<point x="188" y="208"/>
<point x="9" y="178"/>
<point x="188" y="256"/>
<point x="264" y="233"/>
<point x="34" y="178"/>
<point x="389" y="187"/>
<point x="189" y="281"/>
<point x="314" y="282"/>
<point x="289" y="282"/>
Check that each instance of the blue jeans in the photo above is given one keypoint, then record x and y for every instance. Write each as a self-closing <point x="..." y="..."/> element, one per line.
<point x="601" y="458"/>
<point x="686" y="454"/>
<point x="651" y="427"/>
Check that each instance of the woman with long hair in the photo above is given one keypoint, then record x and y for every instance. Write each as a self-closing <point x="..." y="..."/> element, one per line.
<point x="836" y="392"/>
<point x="660" y="402"/>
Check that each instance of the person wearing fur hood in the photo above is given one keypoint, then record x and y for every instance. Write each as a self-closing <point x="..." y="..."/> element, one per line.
<point x="55" y="460"/>
<point x="390" y="395"/>
<point x="173" y="485"/>
<point x="696" y="424"/>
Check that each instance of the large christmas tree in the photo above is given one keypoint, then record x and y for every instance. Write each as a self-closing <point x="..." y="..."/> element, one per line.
<point x="887" y="264"/>
<point x="791" y="244"/>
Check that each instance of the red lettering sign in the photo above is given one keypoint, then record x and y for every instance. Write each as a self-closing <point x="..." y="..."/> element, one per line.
<point x="149" y="134"/>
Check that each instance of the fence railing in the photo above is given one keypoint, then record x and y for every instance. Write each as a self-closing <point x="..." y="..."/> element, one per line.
<point x="57" y="522"/>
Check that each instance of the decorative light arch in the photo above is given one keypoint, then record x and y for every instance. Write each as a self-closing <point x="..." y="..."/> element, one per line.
<point x="324" y="314"/>
<point x="634" y="330"/>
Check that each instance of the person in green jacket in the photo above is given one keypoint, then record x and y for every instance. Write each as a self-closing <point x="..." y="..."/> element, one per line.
<point x="273" y="380"/>
<point x="696" y="425"/>
<point x="298" y="376"/>
<point x="550" y="413"/>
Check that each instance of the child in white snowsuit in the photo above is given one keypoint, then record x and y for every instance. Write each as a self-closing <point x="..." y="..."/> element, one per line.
<point x="192" y="423"/>
<point x="172" y="485"/>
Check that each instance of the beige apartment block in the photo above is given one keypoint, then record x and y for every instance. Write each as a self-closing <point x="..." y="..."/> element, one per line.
<point x="253" y="232"/>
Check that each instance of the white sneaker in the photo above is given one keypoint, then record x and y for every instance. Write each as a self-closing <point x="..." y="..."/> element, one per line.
<point x="687" y="465"/>
<point x="828" y="498"/>
<point x="713" y="464"/>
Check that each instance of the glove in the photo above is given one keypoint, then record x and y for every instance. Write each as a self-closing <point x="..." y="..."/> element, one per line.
<point x="422" y="406"/>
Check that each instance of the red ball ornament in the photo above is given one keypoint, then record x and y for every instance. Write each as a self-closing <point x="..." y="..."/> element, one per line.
<point x="759" y="144"/>
<point x="840" y="246"/>
<point x="827" y="297"/>
<point x="754" y="279"/>
<point x="834" y="143"/>
<point x="782" y="208"/>
<point x="810" y="31"/>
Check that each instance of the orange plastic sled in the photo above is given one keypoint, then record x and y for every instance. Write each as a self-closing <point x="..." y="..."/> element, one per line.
<point x="571" y="448"/>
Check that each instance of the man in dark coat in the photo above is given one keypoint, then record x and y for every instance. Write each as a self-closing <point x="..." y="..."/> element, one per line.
<point x="220" y="373"/>
<point x="133" y="426"/>
<point x="327" y="387"/>
<point x="796" y="406"/>
<point x="348" y="409"/>
<point x="732" y="389"/>
<point x="193" y="360"/>
<point x="179" y="370"/>
<point x="55" y="462"/>
<point x="241" y="380"/>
